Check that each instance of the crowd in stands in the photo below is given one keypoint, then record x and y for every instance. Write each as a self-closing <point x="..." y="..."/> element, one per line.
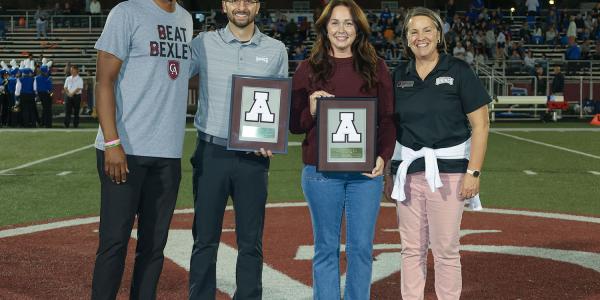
<point x="477" y="34"/>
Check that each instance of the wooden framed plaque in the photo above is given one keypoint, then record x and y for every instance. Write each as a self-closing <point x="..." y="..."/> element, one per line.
<point x="260" y="112"/>
<point x="346" y="134"/>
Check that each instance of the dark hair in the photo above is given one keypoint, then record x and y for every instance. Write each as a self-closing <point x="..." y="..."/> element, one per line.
<point x="435" y="18"/>
<point x="364" y="54"/>
<point x="75" y="67"/>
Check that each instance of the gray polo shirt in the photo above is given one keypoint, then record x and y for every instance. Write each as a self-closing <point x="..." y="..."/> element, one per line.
<point x="216" y="56"/>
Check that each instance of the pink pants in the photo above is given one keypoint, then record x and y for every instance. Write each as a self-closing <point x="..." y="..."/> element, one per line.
<point x="431" y="218"/>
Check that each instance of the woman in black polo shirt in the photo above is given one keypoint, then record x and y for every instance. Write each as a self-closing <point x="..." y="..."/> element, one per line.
<point x="442" y="127"/>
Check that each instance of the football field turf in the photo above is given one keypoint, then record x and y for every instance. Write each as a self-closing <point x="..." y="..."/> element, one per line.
<point x="51" y="174"/>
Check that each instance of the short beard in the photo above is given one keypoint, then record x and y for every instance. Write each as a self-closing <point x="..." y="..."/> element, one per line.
<point x="232" y="19"/>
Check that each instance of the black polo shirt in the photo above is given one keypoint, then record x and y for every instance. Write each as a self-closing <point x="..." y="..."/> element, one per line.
<point x="433" y="112"/>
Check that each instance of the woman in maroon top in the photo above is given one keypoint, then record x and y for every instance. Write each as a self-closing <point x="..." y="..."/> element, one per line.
<point x="342" y="64"/>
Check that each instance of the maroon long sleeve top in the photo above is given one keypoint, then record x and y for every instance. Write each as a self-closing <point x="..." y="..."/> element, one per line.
<point x="345" y="82"/>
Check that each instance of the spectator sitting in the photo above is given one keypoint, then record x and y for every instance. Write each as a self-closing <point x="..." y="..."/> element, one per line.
<point x="551" y="35"/>
<point x="385" y="15"/>
<point x="585" y="50"/>
<point x="529" y="63"/>
<point x="469" y="55"/>
<point x="536" y="37"/>
<point x="459" y="51"/>
<point x="524" y="32"/>
<point x="298" y="53"/>
<point x="573" y="52"/>
<point x="514" y="62"/>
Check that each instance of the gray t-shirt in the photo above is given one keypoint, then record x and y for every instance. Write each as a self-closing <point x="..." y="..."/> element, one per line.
<point x="152" y="88"/>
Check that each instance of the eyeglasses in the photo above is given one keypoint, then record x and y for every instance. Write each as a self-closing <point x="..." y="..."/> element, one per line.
<point x="238" y="2"/>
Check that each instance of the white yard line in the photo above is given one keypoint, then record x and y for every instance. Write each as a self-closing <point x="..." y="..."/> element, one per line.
<point x="525" y="129"/>
<point x="594" y="172"/>
<point x="516" y="129"/>
<point x="64" y="173"/>
<point x="548" y="145"/>
<point x="529" y="172"/>
<point x="46" y="159"/>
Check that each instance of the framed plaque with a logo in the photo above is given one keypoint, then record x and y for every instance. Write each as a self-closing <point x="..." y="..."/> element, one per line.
<point x="260" y="111"/>
<point x="346" y="134"/>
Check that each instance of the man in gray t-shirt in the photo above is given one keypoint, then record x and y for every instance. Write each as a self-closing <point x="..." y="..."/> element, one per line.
<point x="142" y="78"/>
<point x="240" y="48"/>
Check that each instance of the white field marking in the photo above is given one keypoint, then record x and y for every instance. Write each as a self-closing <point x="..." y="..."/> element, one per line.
<point x="306" y="252"/>
<point x="45" y="227"/>
<point x="548" y="145"/>
<point x="82" y="221"/>
<point x="594" y="172"/>
<point x="529" y="172"/>
<point x="276" y="285"/>
<point x="516" y="129"/>
<point x="584" y="259"/>
<point x="64" y="173"/>
<point x="47" y="159"/>
<point x="6" y="174"/>
<point x="544" y="129"/>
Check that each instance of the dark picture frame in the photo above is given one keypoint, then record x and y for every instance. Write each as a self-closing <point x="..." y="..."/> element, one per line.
<point x="259" y="113"/>
<point x="346" y="134"/>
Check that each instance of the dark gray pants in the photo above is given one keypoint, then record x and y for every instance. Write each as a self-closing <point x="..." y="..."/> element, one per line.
<point x="150" y="193"/>
<point x="72" y="107"/>
<point x="218" y="174"/>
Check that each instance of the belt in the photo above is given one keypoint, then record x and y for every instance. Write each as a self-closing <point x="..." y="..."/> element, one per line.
<point x="212" y="139"/>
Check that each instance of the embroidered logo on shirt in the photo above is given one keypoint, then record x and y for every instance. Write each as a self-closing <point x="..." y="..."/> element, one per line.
<point x="405" y="84"/>
<point x="442" y="80"/>
<point x="263" y="59"/>
<point x="173" y="69"/>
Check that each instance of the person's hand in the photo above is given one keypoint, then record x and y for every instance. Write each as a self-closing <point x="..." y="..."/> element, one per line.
<point x="378" y="170"/>
<point x="470" y="187"/>
<point x="312" y="99"/>
<point x="115" y="164"/>
<point x="264" y="153"/>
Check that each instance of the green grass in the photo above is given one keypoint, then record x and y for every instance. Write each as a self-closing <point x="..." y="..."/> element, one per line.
<point x="563" y="183"/>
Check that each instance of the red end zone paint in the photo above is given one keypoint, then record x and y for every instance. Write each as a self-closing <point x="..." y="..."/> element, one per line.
<point x="503" y="257"/>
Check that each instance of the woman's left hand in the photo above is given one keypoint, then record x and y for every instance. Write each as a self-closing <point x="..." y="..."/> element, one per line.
<point x="470" y="187"/>
<point x="378" y="170"/>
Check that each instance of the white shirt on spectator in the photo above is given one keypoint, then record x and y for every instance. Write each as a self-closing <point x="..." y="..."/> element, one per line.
<point x="572" y="30"/>
<point x="74" y="83"/>
<point x="532" y="5"/>
<point x="95" y="7"/>
<point x="501" y="37"/>
<point x="459" y="52"/>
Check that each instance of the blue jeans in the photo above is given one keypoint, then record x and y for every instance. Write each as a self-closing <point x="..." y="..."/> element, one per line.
<point x="329" y="195"/>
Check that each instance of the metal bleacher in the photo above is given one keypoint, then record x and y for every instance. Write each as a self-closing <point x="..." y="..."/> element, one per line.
<point x="72" y="45"/>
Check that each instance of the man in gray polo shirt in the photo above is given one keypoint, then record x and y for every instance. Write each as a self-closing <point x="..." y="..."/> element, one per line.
<point x="239" y="48"/>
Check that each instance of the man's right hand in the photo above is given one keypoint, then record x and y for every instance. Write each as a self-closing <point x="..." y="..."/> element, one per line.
<point x="115" y="164"/>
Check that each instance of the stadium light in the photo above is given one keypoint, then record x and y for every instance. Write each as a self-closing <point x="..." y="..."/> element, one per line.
<point x="512" y="9"/>
<point x="551" y="2"/>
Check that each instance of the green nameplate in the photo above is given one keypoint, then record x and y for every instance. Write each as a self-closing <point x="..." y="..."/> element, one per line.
<point x="258" y="132"/>
<point x="346" y="152"/>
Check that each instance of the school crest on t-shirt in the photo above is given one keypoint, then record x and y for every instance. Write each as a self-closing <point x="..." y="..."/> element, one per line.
<point x="173" y="69"/>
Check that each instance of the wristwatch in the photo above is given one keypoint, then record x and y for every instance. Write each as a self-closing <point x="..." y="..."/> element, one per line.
<point x="474" y="173"/>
